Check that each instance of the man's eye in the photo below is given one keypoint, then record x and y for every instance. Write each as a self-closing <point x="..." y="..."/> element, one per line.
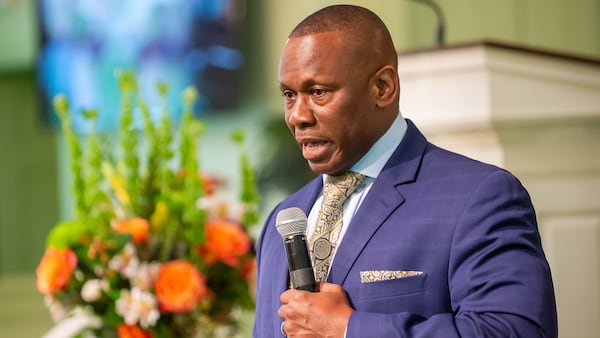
<point x="288" y="94"/>
<point x="319" y="92"/>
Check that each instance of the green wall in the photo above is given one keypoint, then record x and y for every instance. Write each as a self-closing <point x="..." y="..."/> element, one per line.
<point x="18" y="35"/>
<point x="570" y="26"/>
<point x="28" y="199"/>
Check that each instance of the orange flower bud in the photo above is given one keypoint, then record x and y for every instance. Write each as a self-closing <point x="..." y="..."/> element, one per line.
<point x="55" y="269"/>
<point x="179" y="286"/>
<point x="132" y="331"/>
<point x="225" y="241"/>
<point x="249" y="274"/>
<point x="249" y="269"/>
<point x="137" y="227"/>
<point x="209" y="183"/>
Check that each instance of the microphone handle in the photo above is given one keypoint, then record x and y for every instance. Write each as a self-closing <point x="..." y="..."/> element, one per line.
<point x="301" y="272"/>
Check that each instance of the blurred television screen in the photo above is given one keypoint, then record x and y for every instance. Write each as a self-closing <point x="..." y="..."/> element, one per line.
<point x="179" y="42"/>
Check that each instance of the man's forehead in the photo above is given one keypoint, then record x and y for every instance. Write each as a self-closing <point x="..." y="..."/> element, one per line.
<point x="323" y="43"/>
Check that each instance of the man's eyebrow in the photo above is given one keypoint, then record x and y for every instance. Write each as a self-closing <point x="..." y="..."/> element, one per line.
<point x="303" y="85"/>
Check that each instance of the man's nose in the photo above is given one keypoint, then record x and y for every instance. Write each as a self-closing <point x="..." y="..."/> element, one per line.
<point x="300" y="115"/>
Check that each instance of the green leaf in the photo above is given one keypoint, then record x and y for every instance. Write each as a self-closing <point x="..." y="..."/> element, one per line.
<point x="89" y="114"/>
<point x="66" y="234"/>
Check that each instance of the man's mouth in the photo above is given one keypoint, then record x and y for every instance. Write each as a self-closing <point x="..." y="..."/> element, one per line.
<point x="313" y="150"/>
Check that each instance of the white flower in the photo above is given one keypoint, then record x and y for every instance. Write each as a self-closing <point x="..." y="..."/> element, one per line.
<point x="216" y="205"/>
<point x="75" y="324"/>
<point x="99" y="270"/>
<point x="131" y="268"/>
<point x="126" y="262"/>
<point x="136" y="306"/>
<point x="92" y="289"/>
<point x="125" y="306"/>
<point x="57" y="310"/>
<point x="145" y="275"/>
<point x="149" y="313"/>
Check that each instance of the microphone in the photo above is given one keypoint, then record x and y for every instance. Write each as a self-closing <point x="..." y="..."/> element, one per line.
<point x="441" y="25"/>
<point x="291" y="225"/>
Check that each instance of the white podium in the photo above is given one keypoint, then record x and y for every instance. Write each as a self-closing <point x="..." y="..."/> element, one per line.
<point x="537" y="114"/>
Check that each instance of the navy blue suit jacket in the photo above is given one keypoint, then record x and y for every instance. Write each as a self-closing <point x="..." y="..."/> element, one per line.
<point x="469" y="227"/>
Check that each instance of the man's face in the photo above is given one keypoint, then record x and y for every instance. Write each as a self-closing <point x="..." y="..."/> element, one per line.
<point x="329" y="107"/>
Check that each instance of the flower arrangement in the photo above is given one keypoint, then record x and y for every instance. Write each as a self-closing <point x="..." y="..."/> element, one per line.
<point x="153" y="250"/>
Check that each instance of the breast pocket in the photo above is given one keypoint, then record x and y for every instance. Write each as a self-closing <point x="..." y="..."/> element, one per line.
<point x="372" y="290"/>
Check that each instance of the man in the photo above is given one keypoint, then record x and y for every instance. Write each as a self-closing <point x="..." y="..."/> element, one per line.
<point x="432" y="244"/>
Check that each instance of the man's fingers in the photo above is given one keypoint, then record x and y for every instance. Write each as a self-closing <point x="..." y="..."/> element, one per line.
<point x="329" y="287"/>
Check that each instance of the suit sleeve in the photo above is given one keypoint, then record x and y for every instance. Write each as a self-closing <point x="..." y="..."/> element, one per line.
<point x="499" y="281"/>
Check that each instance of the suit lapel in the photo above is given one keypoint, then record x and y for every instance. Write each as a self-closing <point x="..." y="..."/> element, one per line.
<point x="373" y="212"/>
<point x="384" y="197"/>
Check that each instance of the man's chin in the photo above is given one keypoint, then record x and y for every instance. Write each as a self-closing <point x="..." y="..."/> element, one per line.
<point x="324" y="168"/>
<point x="317" y="168"/>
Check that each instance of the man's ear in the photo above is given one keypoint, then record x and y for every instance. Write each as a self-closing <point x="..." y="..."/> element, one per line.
<point x="386" y="86"/>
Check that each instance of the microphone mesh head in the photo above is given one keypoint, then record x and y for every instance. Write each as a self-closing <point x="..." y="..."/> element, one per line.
<point x="291" y="221"/>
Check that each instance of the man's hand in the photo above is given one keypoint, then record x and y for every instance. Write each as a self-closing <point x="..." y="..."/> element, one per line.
<point x="319" y="314"/>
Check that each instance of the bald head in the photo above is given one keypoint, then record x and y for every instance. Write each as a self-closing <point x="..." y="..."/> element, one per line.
<point x="359" y="26"/>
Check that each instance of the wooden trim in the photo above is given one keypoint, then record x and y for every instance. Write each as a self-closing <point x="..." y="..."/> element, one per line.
<point x="507" y="46"/>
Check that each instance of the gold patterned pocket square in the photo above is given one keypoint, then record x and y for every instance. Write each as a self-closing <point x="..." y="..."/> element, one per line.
<point x="381" y="275"/>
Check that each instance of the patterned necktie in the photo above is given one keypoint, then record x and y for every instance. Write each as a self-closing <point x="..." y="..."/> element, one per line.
<point x="329" y="223"/>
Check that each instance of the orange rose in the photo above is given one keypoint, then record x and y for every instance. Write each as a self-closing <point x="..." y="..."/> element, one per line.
<point x="55" y="269"/>
<point x="132" y="331"/>
<point x="225" y="241"/>
<point x="137" y="227"/>
<point x="179" y="286"/>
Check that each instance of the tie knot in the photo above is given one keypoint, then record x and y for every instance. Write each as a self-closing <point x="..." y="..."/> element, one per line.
<point x="340" y="187"/>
